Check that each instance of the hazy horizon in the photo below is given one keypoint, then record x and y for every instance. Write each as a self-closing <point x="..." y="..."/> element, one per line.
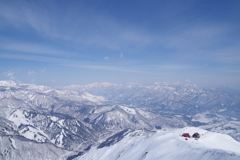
<point x="177" y="83"/>
<point x="60" y="43"/>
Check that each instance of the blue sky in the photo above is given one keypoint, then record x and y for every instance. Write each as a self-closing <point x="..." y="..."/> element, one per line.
<point x="59" y="43"/>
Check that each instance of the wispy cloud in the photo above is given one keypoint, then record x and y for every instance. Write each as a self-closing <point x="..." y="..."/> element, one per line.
<point x="22" y="14"/>
<point x="31" y="48"/>
<point x="164" y="38"/>
<point x="74" y="63"/>
<point x="230" y="55"/>
<point x="30" y="73"/>
<point x="174" y="67"/>
<point x="37" y="58"/>
<point x="121" y="55"/>
<point x="195" y="36"/>
<point x="10" y="75"/>
<point x="43" y="70"/>
<point x="110" y="68"/>
<point x="106" y="58"/>
<point x="105" y="31"/>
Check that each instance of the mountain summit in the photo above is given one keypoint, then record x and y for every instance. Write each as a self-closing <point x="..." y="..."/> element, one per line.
<point x="169" y="145"/>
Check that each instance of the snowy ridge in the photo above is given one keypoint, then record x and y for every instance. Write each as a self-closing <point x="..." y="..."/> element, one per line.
<point x="41" y="97"/>
<point x="128" y="110"/>
<point x="169" y="145"/>
<point x="92" y="98"/>
<point x="7" y="83"/>
<point x="58" y="130"/>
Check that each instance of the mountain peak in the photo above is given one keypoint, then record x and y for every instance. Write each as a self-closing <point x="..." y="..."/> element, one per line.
<point x="8" y="83"/>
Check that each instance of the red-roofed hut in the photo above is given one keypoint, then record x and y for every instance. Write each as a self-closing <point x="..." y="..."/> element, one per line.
<point x="186" y="135"/>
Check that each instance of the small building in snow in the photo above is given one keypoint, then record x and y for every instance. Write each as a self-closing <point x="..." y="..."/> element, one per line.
<point x="186" y="135"/>
<point x="196" y="135"/>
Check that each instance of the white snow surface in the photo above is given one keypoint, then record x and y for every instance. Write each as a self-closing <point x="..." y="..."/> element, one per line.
<point x="7" y="83"/>
<point x="128" y="110"/>
<point x="169" y="145"/>
<point x="18" y="118"/>
<point x="33" y="134"/>
<point x="53" y="118"/>
<point x="201" y="118"/>
<point x="93" y="98"/>
<point x="13" y="143"/>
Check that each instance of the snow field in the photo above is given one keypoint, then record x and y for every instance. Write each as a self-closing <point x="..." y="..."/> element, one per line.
<point x="168" y="145"/>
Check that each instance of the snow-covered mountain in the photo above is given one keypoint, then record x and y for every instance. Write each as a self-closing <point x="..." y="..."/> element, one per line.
<point x="214" y="108"/>
<point x="168" y="145"/>
<point x="175" y="97"/>
<point x="69" y="122"/>
<point x="29" y="115"/>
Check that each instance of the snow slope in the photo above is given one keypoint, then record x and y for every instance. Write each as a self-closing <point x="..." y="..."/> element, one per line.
<point x="169" y="145"/>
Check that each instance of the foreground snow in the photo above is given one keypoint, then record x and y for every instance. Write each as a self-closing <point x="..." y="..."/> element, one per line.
<point x="168" y="145"/>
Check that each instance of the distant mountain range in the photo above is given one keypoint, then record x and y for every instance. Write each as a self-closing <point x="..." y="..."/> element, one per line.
<point x="184" y="99"/>
<point x="71" y="121"/>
